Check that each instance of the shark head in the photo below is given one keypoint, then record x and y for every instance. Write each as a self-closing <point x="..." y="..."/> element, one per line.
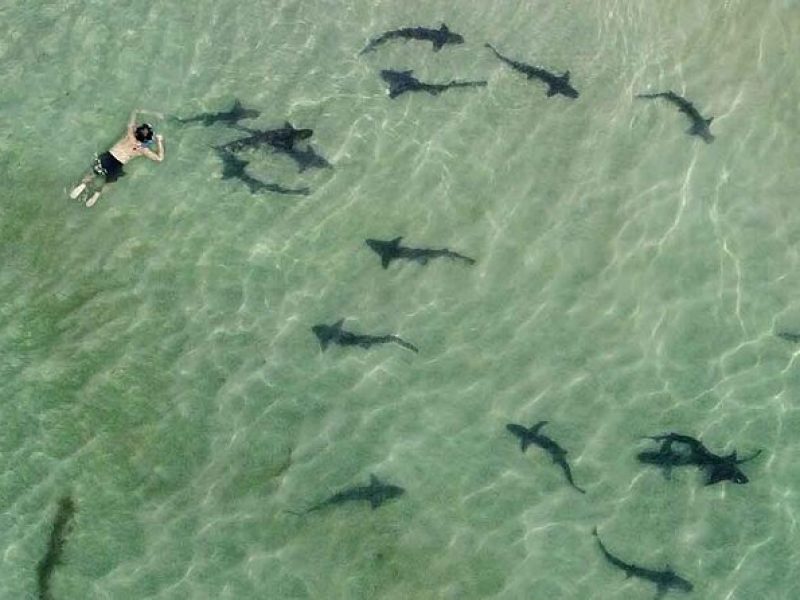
<point x="298" y="134"/>
<point x="447" y="37"/>
<point x="522" y="433"/>
<point x="701" y="128"/>
<point x="240" y="112"/>
<point x="327" y="333"/>
<point x="726" y="470"/>
<point x="386" y="250"/>
<point x="382" y="492"/>
<point x="564" y="87"/>
<point x="675" y="581"/>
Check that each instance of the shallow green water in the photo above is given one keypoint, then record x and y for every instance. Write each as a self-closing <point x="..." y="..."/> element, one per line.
<point x="156" y="357"/>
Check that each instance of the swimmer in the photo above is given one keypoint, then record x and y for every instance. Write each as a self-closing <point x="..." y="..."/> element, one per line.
<point x="138" y="141"/>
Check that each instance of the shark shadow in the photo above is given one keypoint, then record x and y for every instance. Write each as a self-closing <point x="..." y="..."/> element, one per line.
<point x="234" y="167"/>
<point x="334" y="334"/>
<point x="692" y="452"/>
<point x="401" y="82"/>
<point x="528" y="436"/>
<point x="392" y="250"/>
<point x="376" y="493"/>
<point x="664" y="580"/>
<point x="700" y="125"/>
<point x="556" y="84"/>
<point x="230" y="117"/>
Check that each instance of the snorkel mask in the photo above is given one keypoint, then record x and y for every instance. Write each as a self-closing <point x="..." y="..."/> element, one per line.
<point x="144" y="134"/>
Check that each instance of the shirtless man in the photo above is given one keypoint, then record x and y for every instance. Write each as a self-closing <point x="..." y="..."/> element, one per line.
<point x="138" y="141"/>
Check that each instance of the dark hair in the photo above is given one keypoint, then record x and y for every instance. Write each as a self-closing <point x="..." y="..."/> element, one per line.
<point x="143" y="133"/>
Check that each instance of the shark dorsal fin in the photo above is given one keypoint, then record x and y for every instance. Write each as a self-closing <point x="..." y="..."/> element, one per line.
<point x="444" y="28"/>
<point x="396" y="241"/>
<point x="373" y="480"/>
<point x="236" y="104"/>
<point x="409" y="72"/>
<point x="288" y="125"/>
<point x="338" y="325"/>
<point x="565" y="77"/>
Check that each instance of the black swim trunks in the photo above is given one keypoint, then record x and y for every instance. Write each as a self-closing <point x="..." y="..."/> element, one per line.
<point x="107" y="165"/>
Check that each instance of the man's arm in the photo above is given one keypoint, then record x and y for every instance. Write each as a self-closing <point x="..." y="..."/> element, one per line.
<point x="158" y="155"/>
<point x="132" y="120"/>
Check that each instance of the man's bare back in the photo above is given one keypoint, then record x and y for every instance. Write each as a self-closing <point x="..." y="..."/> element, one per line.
<point x="136" y="142"/>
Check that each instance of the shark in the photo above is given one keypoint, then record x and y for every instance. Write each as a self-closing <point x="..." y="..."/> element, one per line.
<point x="58" y="535"/>
<point x="376" y="493"/>
<point x="230" y="117"/>
<point x="438" y="37"/>
<point x="700" y="125"/>
<point x="334" y="334"/>
<point x="789" y="336"/>
<point x="281" y="138"/>
<point x="392" y="250"/>
<point x="665" y="580"/>
<point x="234" y="167"/>
<point x="692" y="452"/>
<point x="556" y="84"/>
<point x="401" y="82"/>
<point x="528" y="436"/>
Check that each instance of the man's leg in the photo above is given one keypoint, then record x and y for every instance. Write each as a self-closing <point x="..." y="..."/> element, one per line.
<point x="90" y="202"/>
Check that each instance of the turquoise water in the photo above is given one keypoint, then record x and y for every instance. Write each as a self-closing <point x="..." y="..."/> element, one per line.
<point x="157" y="362"/>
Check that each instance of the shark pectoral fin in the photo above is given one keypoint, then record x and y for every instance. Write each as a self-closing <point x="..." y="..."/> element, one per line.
<point x="385" y="260"/>
<point x="708" y="121"/>
<point x="535" y="429"/>
<point x="551" y="92"/>
<point x="523" y="444"/>
<point x="437" y="45"/>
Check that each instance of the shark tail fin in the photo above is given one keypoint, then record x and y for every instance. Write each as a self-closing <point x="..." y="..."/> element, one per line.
<point x="551" y="92"/>
<point x="594" y="532"/>
<point x="401" y="342"/>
